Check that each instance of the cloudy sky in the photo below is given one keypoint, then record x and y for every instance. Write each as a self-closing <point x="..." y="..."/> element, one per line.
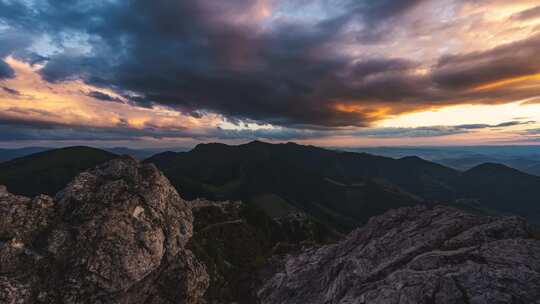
<point x="329" y="72"/>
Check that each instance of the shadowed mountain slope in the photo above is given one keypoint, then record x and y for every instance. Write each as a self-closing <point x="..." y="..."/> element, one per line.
<point x="49" y="171"/>
<point x="342" y="188"/>
<point x="503" y="189"/>
<point x="9" y="154"/>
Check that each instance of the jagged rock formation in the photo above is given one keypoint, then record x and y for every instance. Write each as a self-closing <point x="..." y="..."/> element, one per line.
<point x="234" y="240"/>
<point x="115" y="234"/>
<point x="416" y="255"/>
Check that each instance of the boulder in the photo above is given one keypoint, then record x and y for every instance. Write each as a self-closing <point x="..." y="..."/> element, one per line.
<point x="115" y="234"/>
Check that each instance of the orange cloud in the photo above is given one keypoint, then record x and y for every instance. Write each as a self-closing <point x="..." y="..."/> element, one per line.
<point x="69" y="103"/>
<point x="370" y="113"/>
<point x="506" y="82"/>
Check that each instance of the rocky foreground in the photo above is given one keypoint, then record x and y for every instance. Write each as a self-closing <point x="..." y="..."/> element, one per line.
<point x="416" y="255"/>
<point x="120" y="233"/>
<point x="116" y="234"/>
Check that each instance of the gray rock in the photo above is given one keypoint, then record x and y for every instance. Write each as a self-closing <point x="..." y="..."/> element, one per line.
<point x="115" y="234"/>
<point x="416" y="255"/>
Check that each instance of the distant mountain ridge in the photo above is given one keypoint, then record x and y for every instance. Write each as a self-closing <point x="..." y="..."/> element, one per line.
<point x="310" y="179"/>
<point x="305" y="177"/>
<point x="140" y="154"/>
<point x="9" y="154"/>
<point x="49" y="171"/>
<point x="523" y="158"/>
<point x="506" y="189"/>
<point x="340" y="189"/>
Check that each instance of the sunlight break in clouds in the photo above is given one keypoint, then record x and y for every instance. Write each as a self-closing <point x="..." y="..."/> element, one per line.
<point x="336" y="72"/>
<point x="27" y="98"/>
<point x="69" y="103"/>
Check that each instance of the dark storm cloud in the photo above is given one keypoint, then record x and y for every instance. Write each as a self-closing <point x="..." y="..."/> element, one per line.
<point x="182" y="53"/>
<point x="383" y="9"/>
<point x="13" y="41"/>
<point x="15" y="11"/>
<point x="192" y="55"/>
<point x="428" y="131"/>
<point x="13" y="129"/>
<point x="139" y="100"/>
<point x="433" y="131"/>
<point x="382" y="65"/>
<point x="5" y="70"/>
<point x="270" y="134"/>
<point x="32" y="130"/>
<point x="503" y="62"/>
<point x="103" y="96"/>
<point x="59" y="133"/>
<point x="11" y="91"/>
<point x="66" y="66"/>
<point x="21" y="129"/>
<point x="499" y="125"/>
<point x="513" y="123"/>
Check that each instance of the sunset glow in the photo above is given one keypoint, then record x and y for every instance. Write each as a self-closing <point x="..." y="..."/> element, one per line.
<point x="335" y="73"/>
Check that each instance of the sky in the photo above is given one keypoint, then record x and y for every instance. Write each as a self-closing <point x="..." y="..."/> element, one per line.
<point x="170" y="73"/>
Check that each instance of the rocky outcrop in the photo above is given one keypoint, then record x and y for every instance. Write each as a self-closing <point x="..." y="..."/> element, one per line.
<point x="416" y="255"/>
<point x="115" y="234"/>
<point x="235" y="240"/>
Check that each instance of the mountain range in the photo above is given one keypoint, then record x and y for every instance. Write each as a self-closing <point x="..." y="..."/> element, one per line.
<point x="340" y="189"/>
<point x="140" y="154"/>
<point x="523" y="158"/>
